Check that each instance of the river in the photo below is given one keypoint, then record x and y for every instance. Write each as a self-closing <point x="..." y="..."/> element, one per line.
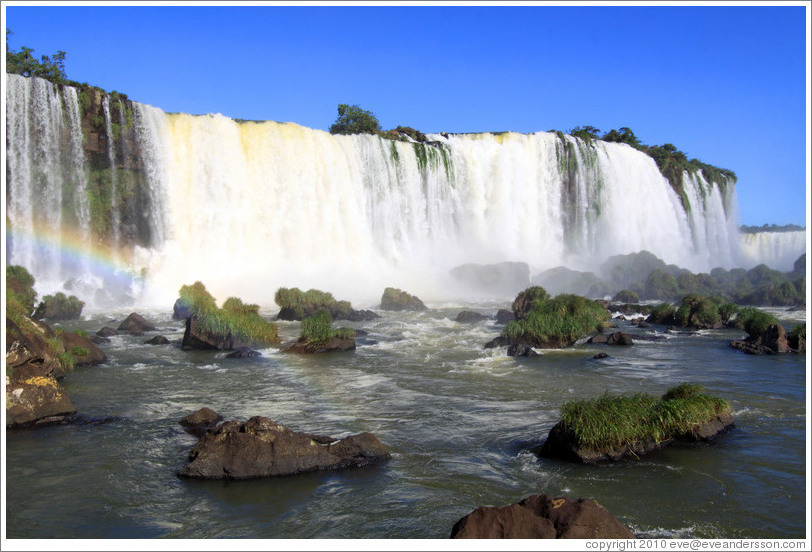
<point x="458" y="419"/>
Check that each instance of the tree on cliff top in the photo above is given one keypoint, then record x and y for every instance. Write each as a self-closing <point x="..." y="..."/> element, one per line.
<point x="24" y="63"/>
<point x="354" y="120"/>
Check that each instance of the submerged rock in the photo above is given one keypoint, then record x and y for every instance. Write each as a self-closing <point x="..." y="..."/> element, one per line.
<point x="199" y="422"/>
<point x="260" y="447"/>
<point x="542" y="517"/>
<point x="157" y="340"/>
<point x="106" y="331"/>
<point x="469" y="317"/>
<point x="521" y="350"/>
<point x="244" y="353"/>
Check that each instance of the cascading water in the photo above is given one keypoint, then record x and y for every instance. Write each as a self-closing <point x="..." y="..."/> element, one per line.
<point x="46" y="181"/>
<point x="247" y="207"/>
<point x="778" y="250"/>
<point x="114" y="207"/>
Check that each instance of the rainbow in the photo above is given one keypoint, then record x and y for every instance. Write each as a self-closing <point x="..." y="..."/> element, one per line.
<point x="59" y="254"/>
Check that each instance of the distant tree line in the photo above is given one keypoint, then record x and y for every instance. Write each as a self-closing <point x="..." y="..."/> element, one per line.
<point x="772" y="228"/>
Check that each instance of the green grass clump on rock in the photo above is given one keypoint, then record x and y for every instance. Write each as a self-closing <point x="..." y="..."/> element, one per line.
<point x="235" y="317"/>
<point x="610" y="422"/>
<point x="300" y="304"/>
<point x="555" y="322"/>
<point x="318" y="330"/>
<point x="755" y="322"/>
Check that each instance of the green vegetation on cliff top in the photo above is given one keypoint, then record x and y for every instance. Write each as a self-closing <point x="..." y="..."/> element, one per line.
<point x="610" y="422"/>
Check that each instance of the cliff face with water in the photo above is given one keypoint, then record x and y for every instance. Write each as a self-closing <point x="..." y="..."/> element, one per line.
<point x="106" y="191"/>
<point x="778" y="250"/>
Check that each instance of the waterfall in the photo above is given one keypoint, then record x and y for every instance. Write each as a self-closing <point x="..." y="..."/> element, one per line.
<point x="248" y="207"/>
<point x="116" y="215"/>
<point x="46" y="180"/>
<point x="778" y="250"/>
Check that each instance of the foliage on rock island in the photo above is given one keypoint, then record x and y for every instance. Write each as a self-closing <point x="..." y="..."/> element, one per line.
<point x="234" y="317"/>
<point x="610" y="421"/>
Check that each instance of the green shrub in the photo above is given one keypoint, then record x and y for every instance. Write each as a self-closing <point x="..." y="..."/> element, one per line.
<point x="79" y="351"/>
<point x="296" y="304"/>
<point x="317" y="329"/>
<point x="610" y="422"/>
<point x="755" y="322"/>
<point x="20" y="294"/>
<point x="727" y="311"/>
<point x="527" y="300"/>
<point x="555" y="322"/>
<point x="59" y="307"/>
<point x="354" y="120"/>
<point x="662" y="314"/>
<point x="235" y="317"/>
<point x="626" y="296"/>
<point x="197" y="299"/>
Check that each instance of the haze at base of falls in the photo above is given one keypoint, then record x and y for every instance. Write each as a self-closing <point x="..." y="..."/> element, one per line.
<point x="248" y="207"/>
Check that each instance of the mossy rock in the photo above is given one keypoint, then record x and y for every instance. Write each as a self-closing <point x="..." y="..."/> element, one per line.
<point x="398" y="300"/>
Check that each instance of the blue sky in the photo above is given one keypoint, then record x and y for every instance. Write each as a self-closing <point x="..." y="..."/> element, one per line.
<point x="725" y="84"/>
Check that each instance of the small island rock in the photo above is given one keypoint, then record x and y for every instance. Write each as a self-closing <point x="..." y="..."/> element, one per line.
<point x="542" y="517"/>
<point x="260" y="447"/>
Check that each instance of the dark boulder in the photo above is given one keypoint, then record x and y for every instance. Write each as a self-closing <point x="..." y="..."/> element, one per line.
<point x="470" y="317"/>
<point x="260" y="447"/>
<point x="398" y="300"/>
<point x="157" y="340"/>
<point x="600" y="356"/>
<point x="196" y="337"/>
<point x="181" y="310"/>
<point x="498" y="341"/>
<point x="106" y="331"/>
<point x="84" y="351"/>
<point x="198" y="423"/>
<point x="772" y="342"/>
<point x="34" y="397"/>
<point x="244" y="353"/>
<point x="358" y="316"/>
<point x="616" y="338"/>
<point x="136" y="324"/>
<point x="503" y="316"/>
<point x="521" y="350"/>
<point x="542" y="517"/>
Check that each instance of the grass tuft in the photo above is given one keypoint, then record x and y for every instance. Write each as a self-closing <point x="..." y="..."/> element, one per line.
<point x="235" y="317"/>
<point x="610" y="422"/>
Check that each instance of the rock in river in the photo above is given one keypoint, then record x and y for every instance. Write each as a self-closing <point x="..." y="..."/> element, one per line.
<point x="542" y="517"/>
<point x="262" y="448"/>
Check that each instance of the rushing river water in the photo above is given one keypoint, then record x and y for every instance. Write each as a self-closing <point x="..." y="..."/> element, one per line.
<point x="458" y="419"/>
